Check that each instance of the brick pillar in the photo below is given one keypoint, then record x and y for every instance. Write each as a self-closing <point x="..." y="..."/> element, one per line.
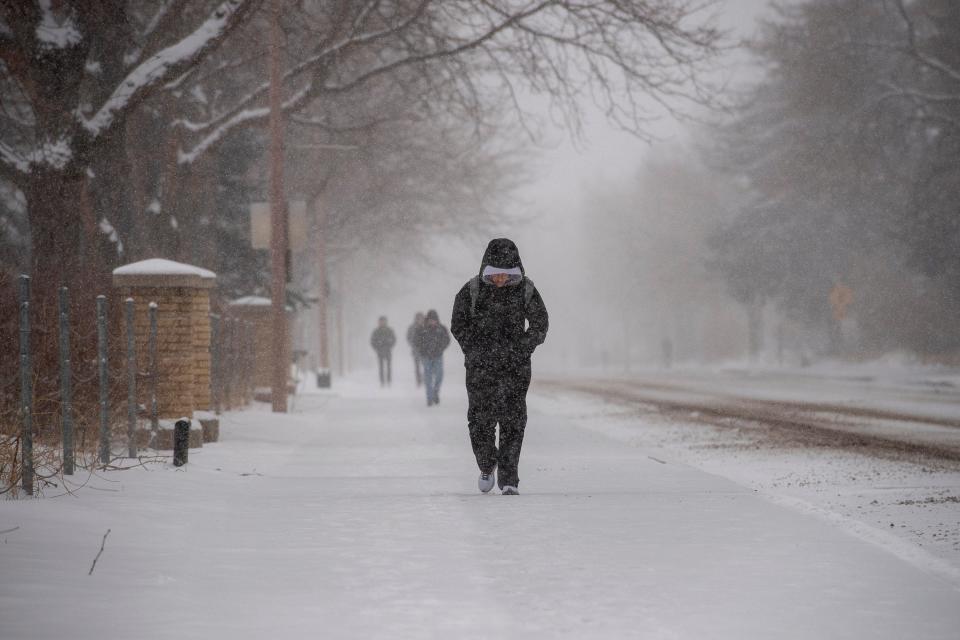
<point x="201" y="346"/>
<point x="182" y="294"/>
<point x="257" y="310"/>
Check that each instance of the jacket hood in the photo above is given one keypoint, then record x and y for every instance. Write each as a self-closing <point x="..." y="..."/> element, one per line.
<point x="502" y="253"/>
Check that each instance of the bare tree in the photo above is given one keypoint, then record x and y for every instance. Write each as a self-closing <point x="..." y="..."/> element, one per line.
<point x="81" y="69"/>
<point x="77" y="81"/>
<point x="847" y="151"/>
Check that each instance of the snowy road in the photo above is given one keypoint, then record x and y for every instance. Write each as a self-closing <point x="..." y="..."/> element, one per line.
<point x="358" y="517"/>
<point x="896" y="418"/>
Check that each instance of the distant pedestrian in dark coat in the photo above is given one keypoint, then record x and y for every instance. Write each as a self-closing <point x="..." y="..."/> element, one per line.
<point x="382" y="341"/>
<point x="412" y="331"/>
<point x="490" y="321"/>
<point x="432" y="339"/>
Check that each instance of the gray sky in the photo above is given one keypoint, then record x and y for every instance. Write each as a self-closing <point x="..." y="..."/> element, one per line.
<point x="608" y="154"/>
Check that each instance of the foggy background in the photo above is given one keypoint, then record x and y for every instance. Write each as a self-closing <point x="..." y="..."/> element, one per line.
<point x="580" y="194"/>
<point x="785" y="194"/>
<point x="675" y="250"/>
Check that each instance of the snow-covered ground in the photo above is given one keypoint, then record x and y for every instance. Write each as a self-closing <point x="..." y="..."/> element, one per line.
<point x="910" y="507"/>
<point x="357" y="516"/>
<point x="880" y="386"/>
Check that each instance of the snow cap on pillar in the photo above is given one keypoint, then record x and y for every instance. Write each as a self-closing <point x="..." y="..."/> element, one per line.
<point x="160" y="272"/>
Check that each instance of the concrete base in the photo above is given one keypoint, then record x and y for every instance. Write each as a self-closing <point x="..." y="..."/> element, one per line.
<point x="164" y="439"/>
<point x="265" y="394"/>
<point x="210" y="428"/>
<point x="323" y="378"/>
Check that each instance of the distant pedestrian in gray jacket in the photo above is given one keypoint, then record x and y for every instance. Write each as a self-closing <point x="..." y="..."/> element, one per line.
<point x="382" y="341"/>
<point x="432" y="339"/>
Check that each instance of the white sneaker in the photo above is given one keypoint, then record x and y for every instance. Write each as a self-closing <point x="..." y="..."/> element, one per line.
<point x="486" y="481"/>
<point x="509" y="491"/>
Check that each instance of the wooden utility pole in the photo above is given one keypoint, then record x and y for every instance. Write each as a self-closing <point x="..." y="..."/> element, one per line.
<point x="320" y="240"/>
<point x="341" y="366"/>
<point x="278" y="217"/>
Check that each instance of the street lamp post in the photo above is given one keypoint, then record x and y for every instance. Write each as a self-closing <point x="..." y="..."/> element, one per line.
<point x="278" y="217"/>
<point x="321" y="267"/>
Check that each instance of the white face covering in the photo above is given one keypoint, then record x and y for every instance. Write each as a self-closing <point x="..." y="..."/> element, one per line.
<point x="515" y="275"/>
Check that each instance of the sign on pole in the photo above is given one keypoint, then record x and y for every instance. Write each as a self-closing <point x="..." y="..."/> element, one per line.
<point x="260" y="225"/>
<point x="840" y="298"/>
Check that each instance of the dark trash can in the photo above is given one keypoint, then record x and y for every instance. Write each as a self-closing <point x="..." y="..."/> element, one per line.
<point x="323" y="378"/>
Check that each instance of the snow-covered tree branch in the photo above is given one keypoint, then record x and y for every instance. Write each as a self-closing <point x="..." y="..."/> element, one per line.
<point x="13" y="166"/>
<point x="124" y="105"/>
<point x="168" y="63"/>
<point x="656" y="54"/>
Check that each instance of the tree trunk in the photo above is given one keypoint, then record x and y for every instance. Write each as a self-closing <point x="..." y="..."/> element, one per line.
<point x="65" y="251"/>
<point x="111" y="194"/>
<point x="320" y="254"/>
<point x="755" y="328"/>
<point x="62" y="251"/>
<point x="138" y="198"/>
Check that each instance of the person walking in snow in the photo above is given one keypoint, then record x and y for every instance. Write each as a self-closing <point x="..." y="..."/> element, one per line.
<point x="499" y="319"/>
<point x="382" y="341"/>
<point x="412" y="332"/>
<point x="432" y="339"/>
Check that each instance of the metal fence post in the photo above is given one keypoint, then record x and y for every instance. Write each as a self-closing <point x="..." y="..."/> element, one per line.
<point x="104" y="379"/>
<point x="66" y="383"/>
<point x="26" y="388"/>
<point x="243" y="370"/>
<point x="216" y="368"/>
<point x="237" y="373"/>
<point x="152" y="349"/>
<point x="247" y="354"/>
<point x="131" y="381"/>
<point x="251" y="358"/>
<point x="226" y="380"/>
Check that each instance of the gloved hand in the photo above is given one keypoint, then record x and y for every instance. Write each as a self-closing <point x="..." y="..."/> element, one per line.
<point x="527" y="345"/>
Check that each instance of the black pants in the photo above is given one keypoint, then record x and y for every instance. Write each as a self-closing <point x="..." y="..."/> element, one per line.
<point x="498" y="397"/>
<point x="383" y="361"/>
<point x="418" y="368"/>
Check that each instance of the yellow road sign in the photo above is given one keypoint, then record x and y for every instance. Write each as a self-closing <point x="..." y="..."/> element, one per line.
<point x="841" y="297"/>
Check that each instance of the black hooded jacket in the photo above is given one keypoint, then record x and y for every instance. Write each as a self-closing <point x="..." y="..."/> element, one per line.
<point x="495" y="333"/>
<point x="431" y="339"/>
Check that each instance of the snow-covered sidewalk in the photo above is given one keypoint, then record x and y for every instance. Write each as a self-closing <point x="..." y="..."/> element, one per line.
<point x="357" y="516"/>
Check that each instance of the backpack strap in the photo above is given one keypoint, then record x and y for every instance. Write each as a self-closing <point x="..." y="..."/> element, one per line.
<point x="474" y="294"/>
